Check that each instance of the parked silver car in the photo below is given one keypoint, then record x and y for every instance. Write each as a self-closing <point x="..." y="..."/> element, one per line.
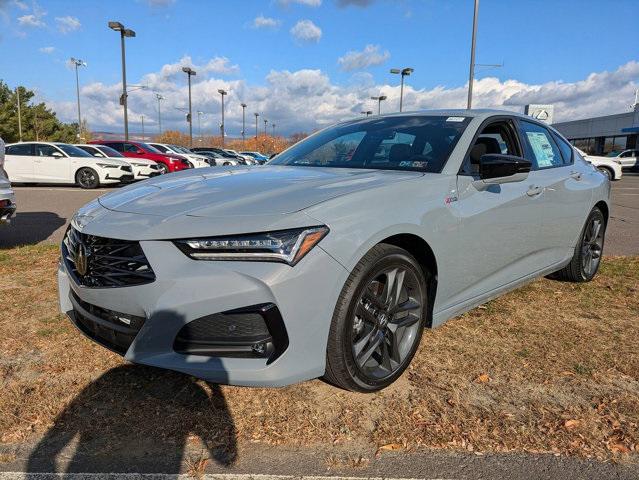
<point x="331" y="259"/>
<point x="7" y="197"/>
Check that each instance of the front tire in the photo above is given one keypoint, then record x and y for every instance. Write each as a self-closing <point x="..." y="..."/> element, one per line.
<point x="163" y="168"/>
<point x="607" y="172"/>
<point x="378" y="321"/>
<point x="87" y="178"/>
<point x="585" y="262"/>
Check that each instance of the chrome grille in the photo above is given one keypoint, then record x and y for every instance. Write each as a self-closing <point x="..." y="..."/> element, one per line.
<point x="100" y="262"/>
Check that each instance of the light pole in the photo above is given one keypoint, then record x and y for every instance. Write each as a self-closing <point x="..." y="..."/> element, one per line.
<point x="256" y="132"/>
<point x="160" y="98"/>
<point x="471" y="74"/>
<point x="265" y="122"/>
<point x="124" y="32"/>
<point x="273" y="125"/>
<point x="78" y="63"/>
<point x="189" y="73"/>
<point x="199" y="125"/>
<point x="367" y="112"/>
<point x="142" y="119"/>
<point x="222" y="92"/>
<point x="403" y="72"/>
<point x="379" y="103"/>
<point x="243" y="124"/>
<point x="20" y="114"/>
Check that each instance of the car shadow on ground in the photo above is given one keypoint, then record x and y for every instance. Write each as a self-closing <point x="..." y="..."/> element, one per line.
<point x="139" y="419"/>
<point x="29" y="228"/>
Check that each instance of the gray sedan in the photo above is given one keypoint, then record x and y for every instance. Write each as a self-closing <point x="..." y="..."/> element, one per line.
<point x="331" y="260"/>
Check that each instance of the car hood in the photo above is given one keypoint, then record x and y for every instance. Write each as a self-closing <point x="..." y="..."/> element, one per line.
<point x="242" y="191"/>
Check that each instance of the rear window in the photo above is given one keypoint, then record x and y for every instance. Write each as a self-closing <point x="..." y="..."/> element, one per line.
<point x="22" y="149"/>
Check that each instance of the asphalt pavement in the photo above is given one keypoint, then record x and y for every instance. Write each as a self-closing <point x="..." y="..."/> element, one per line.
<point x="44" y="212"/>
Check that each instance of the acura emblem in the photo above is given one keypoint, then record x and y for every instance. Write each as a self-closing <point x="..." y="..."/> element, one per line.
<point x="81" y="259"/>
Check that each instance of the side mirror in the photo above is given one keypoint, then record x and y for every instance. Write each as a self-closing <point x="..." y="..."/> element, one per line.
<point x="57" y="155"/>
<point x="497" y="168"/>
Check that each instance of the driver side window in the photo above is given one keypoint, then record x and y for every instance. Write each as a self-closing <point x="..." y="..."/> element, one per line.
<point x="45" y="150"/>
<point x="494" y="138"/>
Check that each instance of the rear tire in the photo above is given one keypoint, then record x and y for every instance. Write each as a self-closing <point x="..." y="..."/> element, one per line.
<point x="87" y="178"/>
<point x="378" y="321"/>
<point x="585" y="262"/>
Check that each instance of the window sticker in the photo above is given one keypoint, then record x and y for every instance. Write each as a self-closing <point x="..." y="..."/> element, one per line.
<point x="455" y="119"/>
<point x="541" y="148"/>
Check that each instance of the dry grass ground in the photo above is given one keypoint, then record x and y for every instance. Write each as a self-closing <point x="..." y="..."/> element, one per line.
<point x="551" y="367"/>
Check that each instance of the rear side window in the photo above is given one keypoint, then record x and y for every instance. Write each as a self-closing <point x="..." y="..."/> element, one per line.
<point x="565" y="148"/>
<point x="21" y="149"/>
<point x="540" y="145"/>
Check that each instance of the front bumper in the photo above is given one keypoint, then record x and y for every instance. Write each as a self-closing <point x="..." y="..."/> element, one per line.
<point x="186" y="290"/>
<point x="142" y="173"/>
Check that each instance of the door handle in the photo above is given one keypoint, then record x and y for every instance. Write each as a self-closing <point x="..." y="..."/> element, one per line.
<point x="575" y="175"/>
<point x="534" y="190"/>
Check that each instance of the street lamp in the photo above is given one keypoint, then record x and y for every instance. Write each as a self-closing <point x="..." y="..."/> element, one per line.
<point x="379" y="103"/>
<point x="243" y="124"/>
<point x="78" y="63"/>
<point x="265" y="122"/>
<point x="160" y="98"/>
<point x="273" y="125"/>
<point x="189" y="73"/>
<point x="403" y="72"/>
<point x="222" y="92"/>
<point x="124" y="32"/>
<point x="142" y="119"/>
<point x="471" y="74"/>
<point x="367" y="112"/>
<point x="256" y="132"/>
<point x="199" y="125"/>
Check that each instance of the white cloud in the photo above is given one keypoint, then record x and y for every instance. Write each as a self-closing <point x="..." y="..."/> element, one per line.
<point x="20" y="5"/>
<point x="31" y="20"/>
<point x="47" y="50"/>
<point x="308" y="3"/>
<point x="305" y="100"/>
<point x="306" y="31"/>
<point x="356" y="3"/>
<point x="67" y="24"/>
<point x="266" y="22"/>
<point x="370" y="56"/>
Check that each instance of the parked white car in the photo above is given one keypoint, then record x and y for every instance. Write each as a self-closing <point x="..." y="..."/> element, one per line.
<point x="198" y="161"/>
<point x="7" y="197"/>
<point x="249" y="159"/>
<point x="627" y="158"/>
<point x="48" y="162"/>
<point x="142" y="168"/>
<point x="605" y="165"/>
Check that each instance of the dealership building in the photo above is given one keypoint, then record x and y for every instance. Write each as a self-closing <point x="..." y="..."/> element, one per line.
<point x="603" y="135"/>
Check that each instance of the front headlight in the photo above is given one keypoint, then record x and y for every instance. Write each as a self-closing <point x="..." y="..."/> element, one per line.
<point x="106" y="165"/>
<point x="286" y="246"/>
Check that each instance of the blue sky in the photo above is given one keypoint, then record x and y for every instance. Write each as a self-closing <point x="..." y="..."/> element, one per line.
<point x="254" y="49"/>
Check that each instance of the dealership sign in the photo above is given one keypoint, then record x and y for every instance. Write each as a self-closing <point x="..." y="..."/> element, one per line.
<point x="542" y="113"/>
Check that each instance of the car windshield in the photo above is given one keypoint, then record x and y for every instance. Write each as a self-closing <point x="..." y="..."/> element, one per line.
<point x="180" y="149"/>
<point x="148" y="148"/>
<point x="109" y="152"/>
<point x="72" y="150"/>
<point x="417" y="143"/>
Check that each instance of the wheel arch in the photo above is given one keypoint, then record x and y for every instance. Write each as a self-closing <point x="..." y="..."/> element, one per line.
<point x="423" y="253"/>
<point x="603" y="206"/>
<point x="611" y="172"/>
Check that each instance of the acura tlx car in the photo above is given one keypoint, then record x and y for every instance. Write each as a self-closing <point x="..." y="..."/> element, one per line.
<point x="330" y="260"/>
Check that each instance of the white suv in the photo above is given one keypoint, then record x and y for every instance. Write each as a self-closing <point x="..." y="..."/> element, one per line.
<point x="142" y="168"/>
<point x="47" y="162"/>
<point x="198" y="161"/>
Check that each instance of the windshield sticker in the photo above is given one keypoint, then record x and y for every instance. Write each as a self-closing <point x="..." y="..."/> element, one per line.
<point x="405" y="164"/>
<point x="455" y="119"/>
<point x="419" y="164"/>
<point x="542" y="148"/>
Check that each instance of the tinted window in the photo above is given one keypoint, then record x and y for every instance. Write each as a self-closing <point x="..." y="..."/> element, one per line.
<point x="119" y="147"/>
<point x="540" y="145"/>
<point x="148" y="148"/>
<point x="421" y="143"/>
<point x="110" y="152"/>
<point x="21" y="149"/>
<point x="90" y="150"/>
<point x="129" y="147"/>
<point x="161" y="148"/>
<point x="45" y="150"/>
<point x="72" y="150"/>
<point x="565" y="148"/>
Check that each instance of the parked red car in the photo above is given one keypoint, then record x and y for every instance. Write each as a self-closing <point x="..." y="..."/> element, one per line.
<point x="168" y="162"/>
